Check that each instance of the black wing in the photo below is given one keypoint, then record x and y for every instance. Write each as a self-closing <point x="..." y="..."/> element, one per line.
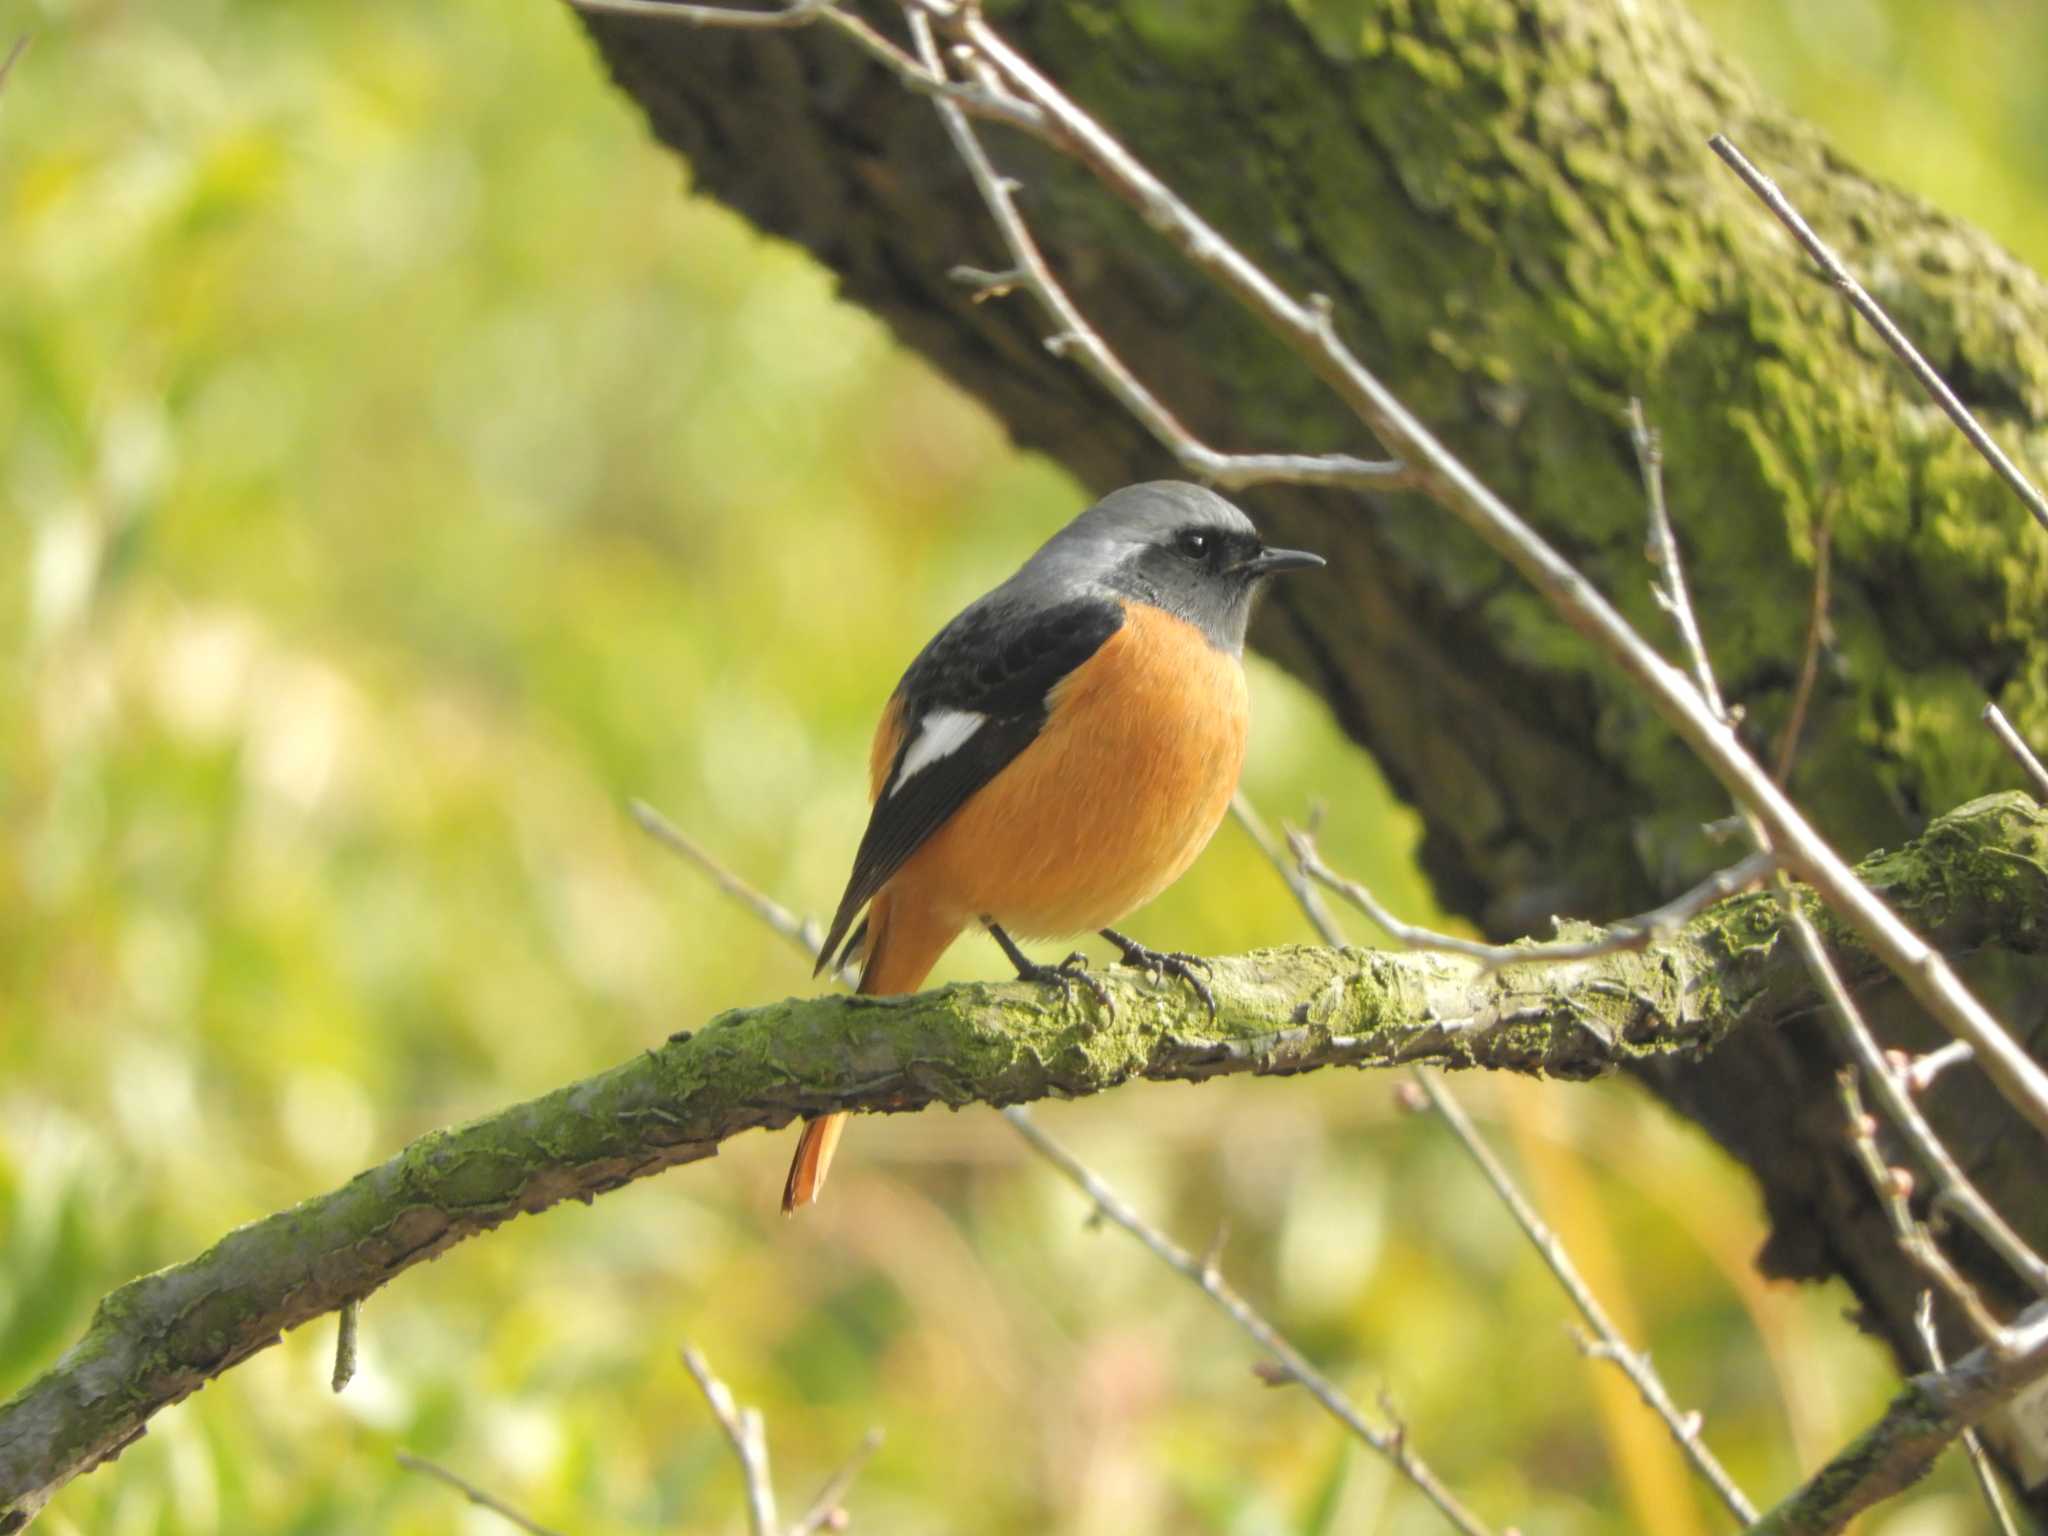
<point x="993" y="660"/>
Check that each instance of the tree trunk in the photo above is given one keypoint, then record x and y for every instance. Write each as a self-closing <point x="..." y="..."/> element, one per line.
<point x="1514" y="210"/>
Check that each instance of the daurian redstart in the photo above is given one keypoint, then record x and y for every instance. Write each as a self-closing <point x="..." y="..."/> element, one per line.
<point x="1059" y="753"/>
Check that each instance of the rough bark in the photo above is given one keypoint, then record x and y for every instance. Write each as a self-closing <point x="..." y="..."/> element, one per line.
<point x="1513" y="207"/>
<point x="1979" y="877"/>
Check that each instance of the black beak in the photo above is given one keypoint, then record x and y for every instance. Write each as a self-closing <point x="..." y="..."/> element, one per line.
<point x="1268" y="562"/>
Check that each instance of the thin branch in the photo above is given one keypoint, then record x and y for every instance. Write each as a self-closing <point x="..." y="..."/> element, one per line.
<point x="1074" y="336"/>
<point x="1929" y="1414"/>
<point x="1608" y="1343"/>
<point x="158" y="1339"/>
<point x="13" y="56"/>
<point x="803" y="932"/>
<point x="827" y="1511"/>
<point x="1203" y="1273"/>
<point x="749" y="1441"/>
<point x="2016" y="744"/>
<point x="474" y="1494"/>
<point x="1307" y="328"/>
<point x="993" y="105"/>
<point x="1987" y="1480"/>
<point x="1914" y="1239"/>
<point x="1669" y="586"/>
<point x="1956" y="1191"/>
<point x="798" y="13"/>
<point x="1768" y="193"/>
<point x="1318" y="912"/>
<point x="1635" y="1365"/>
<point x="1108" y="1202"/>
<point x="1816" y="642"/>
<point x="1894" y="1188"/>
<point x="1633" y="933"/>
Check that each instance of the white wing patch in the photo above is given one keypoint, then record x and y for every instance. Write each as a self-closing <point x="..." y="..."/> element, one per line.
<point x="940" y="734"/>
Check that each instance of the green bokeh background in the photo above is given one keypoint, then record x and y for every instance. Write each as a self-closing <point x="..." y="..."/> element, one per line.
<point x="399" y="471"/>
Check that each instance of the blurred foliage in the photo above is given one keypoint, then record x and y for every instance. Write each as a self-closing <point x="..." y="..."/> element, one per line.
<point x="400" y="470"/>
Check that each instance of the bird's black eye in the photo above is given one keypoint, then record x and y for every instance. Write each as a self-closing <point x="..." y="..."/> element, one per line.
<point x="1193" y="543"/>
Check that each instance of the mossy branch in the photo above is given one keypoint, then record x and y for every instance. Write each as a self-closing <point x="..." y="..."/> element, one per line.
<point x="1977" y="878"/>
<point x="1927" y="1416"/>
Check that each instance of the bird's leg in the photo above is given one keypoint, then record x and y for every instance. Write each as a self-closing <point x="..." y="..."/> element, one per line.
<point x="1168" y="962"/>
<point x="1070" y="970"/>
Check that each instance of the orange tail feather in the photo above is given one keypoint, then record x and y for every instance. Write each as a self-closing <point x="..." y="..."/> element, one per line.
<point x="812" y="1162"/>
<point x="901" y="951"/>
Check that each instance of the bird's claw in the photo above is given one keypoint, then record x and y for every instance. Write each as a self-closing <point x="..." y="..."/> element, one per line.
<point x="1070" y="970"/>
<point x="1165" y="962"/>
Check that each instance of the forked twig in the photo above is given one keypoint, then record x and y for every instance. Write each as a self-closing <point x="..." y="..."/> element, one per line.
<point x="1391" y="1444"/>
<point x="1954" y="1187"/>
<point x="1394" y="1446"/>
<point x="1923" y="1319"/>
<point x="1420" y="459"/>
<point x="827" y="1509"/>
<point x="1894" y="1189"/>
<point x="1307" y="328"/>
<point x="804" y="13"/>
<point x="1074" y="336"/>
<point x="1634" y="1364"/>
<point x="1669" y="583"/>
<point x="1632" y="933"/>
<point x="1929" y="1412"/>
<point x="749" y="1439"/>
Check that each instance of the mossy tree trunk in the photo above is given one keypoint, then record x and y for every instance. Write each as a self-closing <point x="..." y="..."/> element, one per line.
<point x="1514" y="209"/>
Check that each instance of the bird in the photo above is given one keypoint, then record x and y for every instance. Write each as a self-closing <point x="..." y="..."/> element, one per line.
<point x="1057" y="755"/>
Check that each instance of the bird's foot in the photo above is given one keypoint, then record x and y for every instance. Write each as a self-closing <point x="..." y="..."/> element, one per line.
<point x="1165" y="962"/>
<point x="1070" y="970"/>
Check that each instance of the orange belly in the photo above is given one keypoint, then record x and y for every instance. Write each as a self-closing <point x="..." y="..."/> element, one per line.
<point x="1109" y="805"/>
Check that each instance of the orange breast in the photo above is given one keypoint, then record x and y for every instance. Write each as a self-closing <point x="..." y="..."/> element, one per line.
<point x="1113" y="800"/>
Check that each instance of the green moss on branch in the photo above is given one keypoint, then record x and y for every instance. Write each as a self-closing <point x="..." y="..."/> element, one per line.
<point x="1978" y="878"/>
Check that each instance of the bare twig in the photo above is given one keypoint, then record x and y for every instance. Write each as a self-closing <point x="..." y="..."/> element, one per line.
<point x="803" y="932"/>
<point x="1894" y="1189"/>
<point x="346" y="1323"/>
<point x="1816" y="641"/>
<point x="749" y="1440"/>
<point x="1318" y="912"/>
<point x="13" y="56"/>
<point x="1610" y="1345"/>
<point x="1307" y="328"/>
<point x="474" y="1494"/>
<point x="1923" y="1319"/>
<point x="2016" y="744"/>
<point x="1108" y="1204"/>
<point x="1390" y="1444"/>
<point x="1280" y="1013"/>
<point x="1768" y="192"/>
<point x="1633" y="933"/>
<point x="1669" y="585"/>
<point x="993" y="105"/>
<point x="1927" y="1416"/>
<point x="1607" y="1343"/>
<point x="1955" y="1190"/>
<point x="827" y="1510"/>
<point x="1921" y="1071"/>
<point x="798" y="13"/>
<point x="1074" y="336"/>
<point x="1917" y="1242"/>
